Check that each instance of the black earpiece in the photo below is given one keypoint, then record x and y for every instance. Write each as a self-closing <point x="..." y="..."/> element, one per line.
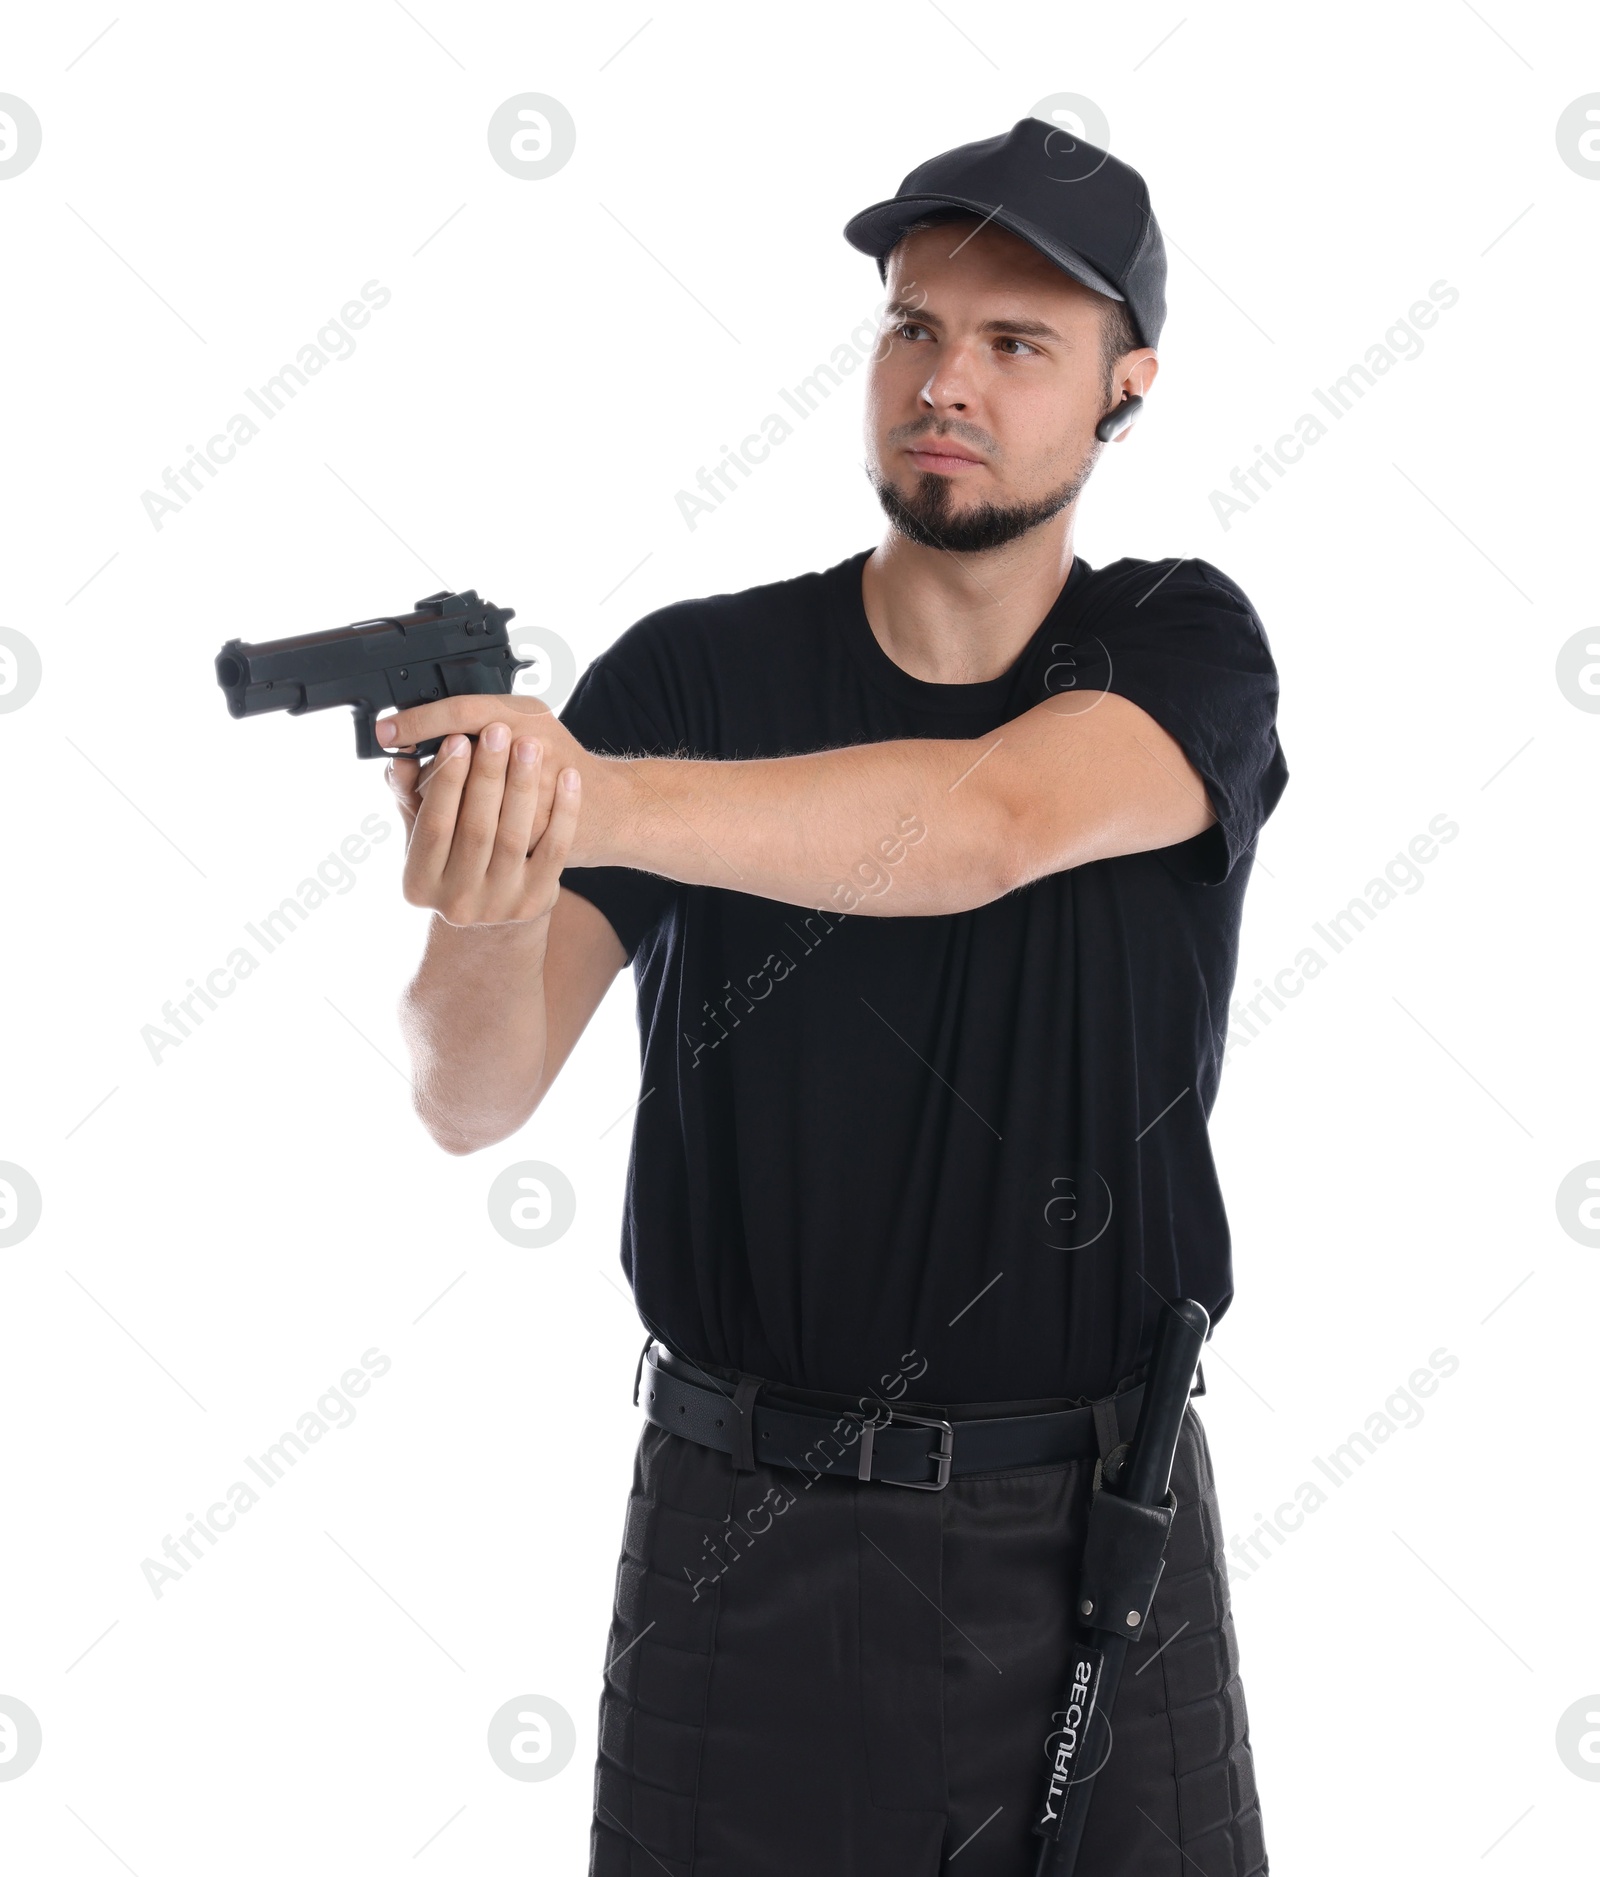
<point x="1112" y="425"/>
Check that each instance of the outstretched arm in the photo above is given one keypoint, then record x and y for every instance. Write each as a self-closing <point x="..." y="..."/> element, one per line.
<point x="927" y="825"/>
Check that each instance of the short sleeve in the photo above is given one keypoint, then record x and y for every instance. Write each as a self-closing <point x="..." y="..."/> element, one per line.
<point x="1191" y="651"/>
<point x="606" y="718"/>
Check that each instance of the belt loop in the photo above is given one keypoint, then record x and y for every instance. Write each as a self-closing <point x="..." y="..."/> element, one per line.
<point x="1106" y="1432"/>
<point x="639" y="1371"/>
<point x="744" y="1405"/>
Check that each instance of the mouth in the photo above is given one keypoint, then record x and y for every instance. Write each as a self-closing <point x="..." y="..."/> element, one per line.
<point x="944" y="459"/>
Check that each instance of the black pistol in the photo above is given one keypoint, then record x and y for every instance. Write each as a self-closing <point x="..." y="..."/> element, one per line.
<point x="453" y="645"/>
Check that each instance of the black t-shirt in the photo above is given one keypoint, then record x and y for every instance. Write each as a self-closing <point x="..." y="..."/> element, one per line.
<point x="970" y="1148"/>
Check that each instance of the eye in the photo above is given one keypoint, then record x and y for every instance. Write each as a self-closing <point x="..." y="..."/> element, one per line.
<point x="1021" y="345"/>
<point x="908" y="329"/>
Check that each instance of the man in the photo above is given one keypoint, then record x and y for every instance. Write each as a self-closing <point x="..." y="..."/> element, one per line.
<point x="930" y="868"/>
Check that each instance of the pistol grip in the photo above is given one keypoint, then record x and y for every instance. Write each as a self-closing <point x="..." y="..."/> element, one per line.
<point x="367" y="743"/>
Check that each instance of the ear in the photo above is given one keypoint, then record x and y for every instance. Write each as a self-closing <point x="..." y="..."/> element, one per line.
<point x="1136" y="373"/>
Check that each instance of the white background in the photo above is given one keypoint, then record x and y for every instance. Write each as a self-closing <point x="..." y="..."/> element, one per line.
<point x="228" y="1230"/>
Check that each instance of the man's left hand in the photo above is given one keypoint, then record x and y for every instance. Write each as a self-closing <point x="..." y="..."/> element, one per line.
<point x="603" y="781"/>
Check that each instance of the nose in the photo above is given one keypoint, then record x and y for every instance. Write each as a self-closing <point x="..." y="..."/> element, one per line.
<point x="937" y="394"/>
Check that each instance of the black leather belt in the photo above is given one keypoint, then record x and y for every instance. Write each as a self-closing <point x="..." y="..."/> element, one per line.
<point x="881" y="1442"/>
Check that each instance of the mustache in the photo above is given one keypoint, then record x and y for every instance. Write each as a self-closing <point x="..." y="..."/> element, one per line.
<point x="969" y="434"/>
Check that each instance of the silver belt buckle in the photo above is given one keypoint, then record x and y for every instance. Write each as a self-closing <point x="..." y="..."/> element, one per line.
<point x="939" y="1455"/>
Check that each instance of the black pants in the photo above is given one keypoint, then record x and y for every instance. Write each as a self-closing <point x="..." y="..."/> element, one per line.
<point x="825" y="1678"/>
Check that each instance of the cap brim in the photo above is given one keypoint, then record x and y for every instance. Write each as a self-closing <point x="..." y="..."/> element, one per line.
<point x="876" y="230"/>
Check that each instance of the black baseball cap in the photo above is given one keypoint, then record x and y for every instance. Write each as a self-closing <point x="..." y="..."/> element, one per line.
<point x="1077" y="204"/>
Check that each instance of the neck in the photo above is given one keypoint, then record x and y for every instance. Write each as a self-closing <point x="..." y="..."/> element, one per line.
<point x="964" y="618"/>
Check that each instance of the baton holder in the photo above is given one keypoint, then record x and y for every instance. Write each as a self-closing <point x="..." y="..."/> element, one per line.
<point x="1122" y="1562"/>
<point x="1130" y="1516"/>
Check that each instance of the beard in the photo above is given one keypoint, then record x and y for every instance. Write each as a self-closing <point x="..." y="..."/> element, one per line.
<point x="927" y="515"/>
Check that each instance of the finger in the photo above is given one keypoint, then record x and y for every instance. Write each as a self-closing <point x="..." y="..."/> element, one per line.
<point x="402" y="776"/>
<point x="427" y="767"/>
<point x="550" y="855"/>
<point x="429" y="852"/>
<point x="466" y="715"/>
<point x="479" y="814"/>
<point x="549" y="772"/>
<point x="519" y="811"/>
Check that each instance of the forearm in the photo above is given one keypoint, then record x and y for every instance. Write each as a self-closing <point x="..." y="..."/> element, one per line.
<point x="919" y="826"/>
<point x="474" y="1017"/>
<point x="881" y="828"/>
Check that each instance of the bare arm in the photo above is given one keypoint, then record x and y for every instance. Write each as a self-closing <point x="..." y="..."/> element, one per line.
<point x="514" y="968"/>
<point x="494" y="1012"/>
<point x="950" y="823"/>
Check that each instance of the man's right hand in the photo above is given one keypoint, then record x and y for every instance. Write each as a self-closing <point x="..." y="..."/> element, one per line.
<point x="487" y="831"/>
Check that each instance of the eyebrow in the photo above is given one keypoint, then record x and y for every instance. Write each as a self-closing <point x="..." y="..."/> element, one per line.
<point x="1021" y="328"/>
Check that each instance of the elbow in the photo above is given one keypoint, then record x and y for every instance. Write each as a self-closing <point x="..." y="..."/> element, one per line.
<point x="455" y="1133"/>
<point x="1026" y="839"/>
<point x="460" y="1135"/>
<point x="1010" y="855"/>
<point x="1006" y="871"/>
<point x="462" y="1110"/>
<point x="988" y="870"/>
<point x="461" y="1130"/>
<point x="455" y="1141"/>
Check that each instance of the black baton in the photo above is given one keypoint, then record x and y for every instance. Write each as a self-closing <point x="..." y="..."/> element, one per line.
<point x="1129" y="1519"/>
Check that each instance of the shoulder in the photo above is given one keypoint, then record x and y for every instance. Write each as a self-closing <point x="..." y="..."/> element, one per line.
<point x="1179" y="601"/>
<point x="722" y="625"/>
<point x="685" y="672"/>
<point x="1173" y="586"/>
